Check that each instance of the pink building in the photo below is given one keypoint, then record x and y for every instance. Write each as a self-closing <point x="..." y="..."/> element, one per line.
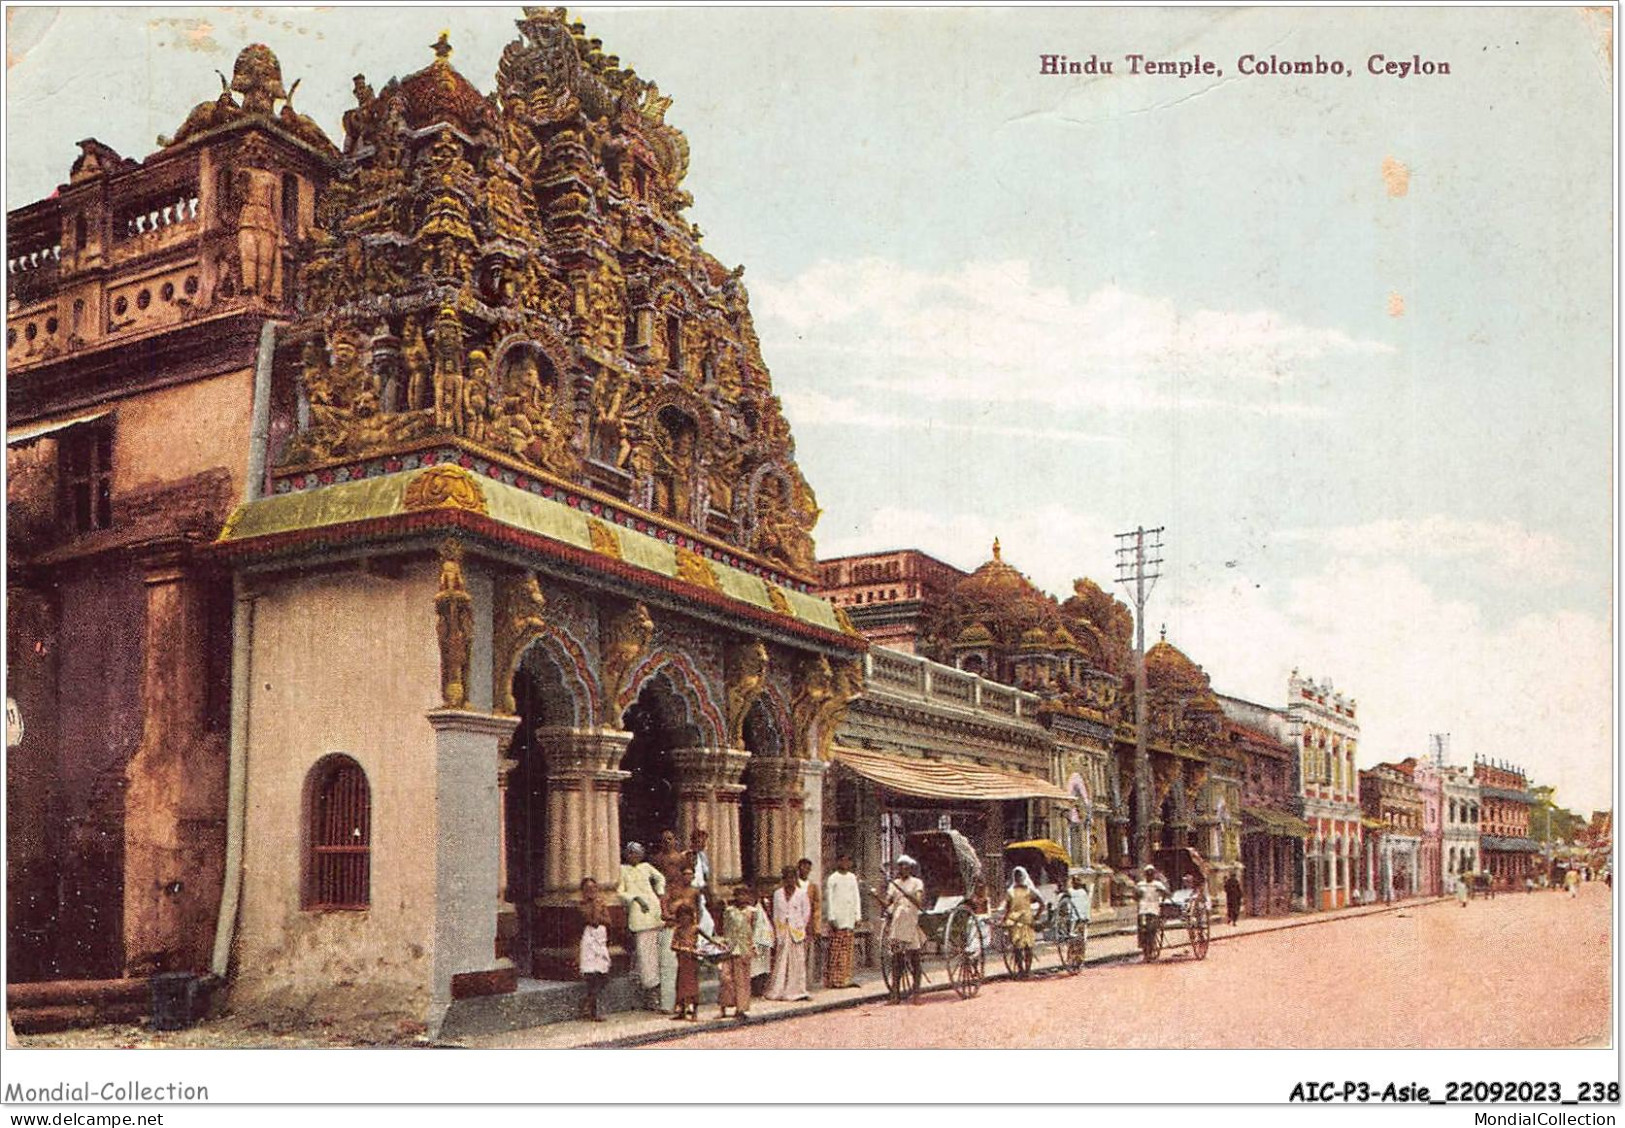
<point x="1429" y="779"/>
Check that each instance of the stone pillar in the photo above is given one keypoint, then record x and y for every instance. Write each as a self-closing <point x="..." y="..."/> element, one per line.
<point x="777" y="806"/>
<point x="583" y="806"/>
<point x="708" y="791"/>
<point x="468" y="857"/>
<point x="175" y="797"/>
<point x="812" y="814"/>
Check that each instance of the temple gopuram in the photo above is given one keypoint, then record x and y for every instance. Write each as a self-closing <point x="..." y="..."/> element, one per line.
<point x="444" y="470"/>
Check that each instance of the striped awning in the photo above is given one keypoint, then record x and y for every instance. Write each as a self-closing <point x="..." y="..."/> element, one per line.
<point x="944" y="779"/>
<point x="1276" y="823"/>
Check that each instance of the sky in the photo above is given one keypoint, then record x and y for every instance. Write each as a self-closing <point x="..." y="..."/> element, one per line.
<point x="1348" y="338"/>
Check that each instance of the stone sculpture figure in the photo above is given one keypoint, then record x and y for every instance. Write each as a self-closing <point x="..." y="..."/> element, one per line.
<point x="259" y="234"/>
<point x="627" y="635"/>
<point x="477" y="396"/>
<point x="454" y="620"/>
<point x="419" y="368"/>
<point x="519" y="623"/>
<point x="448" y="372"/>
<point x="747" y="678"/>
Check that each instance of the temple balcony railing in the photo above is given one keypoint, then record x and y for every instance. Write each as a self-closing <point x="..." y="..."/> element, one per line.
<point x="894" y="672"/>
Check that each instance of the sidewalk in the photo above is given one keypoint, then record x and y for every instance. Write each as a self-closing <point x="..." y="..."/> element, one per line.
<point x="635" y="1028"/>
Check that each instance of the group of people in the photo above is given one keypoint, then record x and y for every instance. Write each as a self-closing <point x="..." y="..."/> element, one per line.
<point x="759" y="939"/>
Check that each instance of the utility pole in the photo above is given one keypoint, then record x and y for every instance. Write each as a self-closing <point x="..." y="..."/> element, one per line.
<point x="1139" y="556"/>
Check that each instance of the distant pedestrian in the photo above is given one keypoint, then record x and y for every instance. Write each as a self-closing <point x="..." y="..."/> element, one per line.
<point x="593" y="955"/>
<point x="1571" y="882"/>
<point x="843" y="904"/>
<point x="1232" y="897"/>
<point x="1461" y="890"/>
<point x="791" y="914"/>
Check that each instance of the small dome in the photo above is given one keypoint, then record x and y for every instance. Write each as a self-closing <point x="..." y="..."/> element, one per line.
<point x="974" y="635"/>
<point x="1034" y="638"/>
<point x="1062" y="639"/>
<point x="438" y="93"/>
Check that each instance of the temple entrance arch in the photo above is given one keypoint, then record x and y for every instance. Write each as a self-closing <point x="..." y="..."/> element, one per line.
<point x="660" y="722"/>
<point x="544" y="700"/>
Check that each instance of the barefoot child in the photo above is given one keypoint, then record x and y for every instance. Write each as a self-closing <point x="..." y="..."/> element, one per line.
<point x="685" y="940"/>
<point x="594" y="954"/>
<point x="739" y="934"/>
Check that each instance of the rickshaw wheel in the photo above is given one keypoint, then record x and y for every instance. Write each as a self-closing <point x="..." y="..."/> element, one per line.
<point x="1066" y="926"/>
<point x="1151" y="946"/>
<point x="1008" y="951"/>
<point x="964" y="952"/>
<point x="1199" y="932"/>
<point x="888" y="965"/>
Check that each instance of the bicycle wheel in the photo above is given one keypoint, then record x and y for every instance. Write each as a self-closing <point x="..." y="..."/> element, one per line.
<point x="964" y="952"/>
<point x="1077" y="949"/>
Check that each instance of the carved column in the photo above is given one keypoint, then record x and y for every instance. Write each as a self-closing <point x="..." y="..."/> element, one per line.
<point x="583" y="805"/>
<point x="776" y="802"/>
<point x="708" y="791"/>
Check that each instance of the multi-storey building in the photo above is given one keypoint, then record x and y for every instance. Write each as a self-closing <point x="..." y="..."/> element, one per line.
<point x="1460" y="851"/>
<point x="888" y="595"/>
<point x="1272" y="834"/>
<point x="1393" y="808"/>
<point x="1507" y="851"/>
<point x="1428" y="775"/>
<point x="1324" y="729"/>
<point x="139" y="314"/>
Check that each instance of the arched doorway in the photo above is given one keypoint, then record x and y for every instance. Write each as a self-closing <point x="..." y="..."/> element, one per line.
<point x="659" y="722"/>
<point x="543" y="700"/>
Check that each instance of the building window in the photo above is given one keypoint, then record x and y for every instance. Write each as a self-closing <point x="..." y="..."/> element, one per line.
<point x="290" y="203"/>
<point x="339" y="835"/>
<point x="674" y="343"/>
<point x="86" y="455"/>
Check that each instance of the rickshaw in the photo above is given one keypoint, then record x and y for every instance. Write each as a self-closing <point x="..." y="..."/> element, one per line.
<point x="1058" y="921"/>
<point x="952" y="874"/>
<point x="1189" y="909"/>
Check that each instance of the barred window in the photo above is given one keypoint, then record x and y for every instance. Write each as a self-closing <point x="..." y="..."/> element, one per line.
<point x="339" y="834"/>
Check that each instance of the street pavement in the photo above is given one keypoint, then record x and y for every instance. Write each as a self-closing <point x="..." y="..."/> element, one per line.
<point x="1522" y="970"/>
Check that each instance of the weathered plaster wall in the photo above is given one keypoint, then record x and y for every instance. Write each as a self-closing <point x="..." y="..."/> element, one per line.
<point x="173" y="433"/>
<point x="347" y="662"/>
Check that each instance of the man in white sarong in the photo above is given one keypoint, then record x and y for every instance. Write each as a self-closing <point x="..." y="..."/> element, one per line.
<point x="640" y="890"/>
<point x="791" y="914"/>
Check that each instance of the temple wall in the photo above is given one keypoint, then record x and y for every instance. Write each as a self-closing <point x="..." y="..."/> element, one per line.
<point x="343" y="662"/>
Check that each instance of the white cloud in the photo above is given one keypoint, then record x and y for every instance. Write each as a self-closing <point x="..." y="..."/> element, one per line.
<point x="1508" y="551"/>
<point x="1536" y="691"/>
<point x="814" y="409"/>
<point x="955" y="335"/>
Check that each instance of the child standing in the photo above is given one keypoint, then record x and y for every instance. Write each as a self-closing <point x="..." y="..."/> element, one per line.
<point x="593" y="958"/>
<point x="685" y="939"/>
<point x="739" y="935"/>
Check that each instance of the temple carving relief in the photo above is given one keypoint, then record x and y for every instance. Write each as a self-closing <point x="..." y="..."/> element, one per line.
<point x="516" y="272"/>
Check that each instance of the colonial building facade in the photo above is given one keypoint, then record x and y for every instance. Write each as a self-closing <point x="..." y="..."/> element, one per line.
<point x="1508" y="852"/>
<point x="1325" y="731"/>
<point x="1272" y="834"/>
<point x="1391" y="860"/>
